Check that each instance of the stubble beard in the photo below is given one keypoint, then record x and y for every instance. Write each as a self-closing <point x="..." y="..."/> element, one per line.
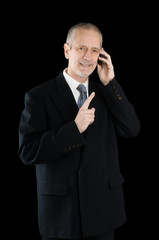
<point x="82" y="75"/>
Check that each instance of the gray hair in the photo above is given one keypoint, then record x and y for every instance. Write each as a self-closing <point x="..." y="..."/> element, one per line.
<point x="84" y="25"/>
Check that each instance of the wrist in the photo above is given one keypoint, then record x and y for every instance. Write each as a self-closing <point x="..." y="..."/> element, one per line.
<point x="77" y="125"/>
<point x="106" y="82"/>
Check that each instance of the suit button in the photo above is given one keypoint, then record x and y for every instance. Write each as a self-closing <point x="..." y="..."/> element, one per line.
<point x="73" y="146"/>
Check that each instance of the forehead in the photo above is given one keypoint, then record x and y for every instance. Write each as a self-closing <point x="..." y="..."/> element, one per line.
<point x="88" y="37"/>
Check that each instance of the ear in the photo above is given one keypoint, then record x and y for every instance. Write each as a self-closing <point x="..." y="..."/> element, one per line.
<point x="66" y="50"/>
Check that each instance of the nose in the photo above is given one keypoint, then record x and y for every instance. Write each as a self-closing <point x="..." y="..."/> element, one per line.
<point x="88" y="55"/>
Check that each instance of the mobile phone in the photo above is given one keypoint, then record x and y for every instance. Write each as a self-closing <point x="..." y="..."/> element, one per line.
<point x="100" y="61"/>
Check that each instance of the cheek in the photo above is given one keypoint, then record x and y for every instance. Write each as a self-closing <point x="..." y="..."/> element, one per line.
<point x="73" y="60"/>
<point x="96" y="59"/>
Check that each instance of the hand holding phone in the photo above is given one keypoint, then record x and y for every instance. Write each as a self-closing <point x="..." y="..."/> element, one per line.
<point x="105" y="67"/>
<point x="100" y="62"/>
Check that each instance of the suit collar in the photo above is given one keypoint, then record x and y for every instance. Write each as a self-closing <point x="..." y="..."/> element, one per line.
<point x="64" y="99"/>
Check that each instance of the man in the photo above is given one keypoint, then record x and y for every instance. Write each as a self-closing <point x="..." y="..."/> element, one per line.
<point x="72" y="142"/>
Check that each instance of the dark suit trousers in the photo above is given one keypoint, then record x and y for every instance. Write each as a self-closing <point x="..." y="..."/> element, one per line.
<point x="106" y="236"/>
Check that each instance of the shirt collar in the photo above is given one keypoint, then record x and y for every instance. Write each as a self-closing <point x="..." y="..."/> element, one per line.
<point x="72" y="82"/>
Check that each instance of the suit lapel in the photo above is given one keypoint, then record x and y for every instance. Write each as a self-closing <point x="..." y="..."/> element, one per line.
<point x="64" y="99"/>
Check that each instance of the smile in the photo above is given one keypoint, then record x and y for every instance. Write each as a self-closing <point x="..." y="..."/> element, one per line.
<point x="86" y="65"/>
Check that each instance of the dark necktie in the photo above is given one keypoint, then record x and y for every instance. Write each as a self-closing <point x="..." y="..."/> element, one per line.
<point x="83" y="95"/>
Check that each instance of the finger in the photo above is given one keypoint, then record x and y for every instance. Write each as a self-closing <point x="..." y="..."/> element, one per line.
<point x="88" y="101"/>
<point x="89" y="115"/>
<point x="105" y="54"/>
<point x="102" y="51"/>
<point x="88" y="111"/>
<point x="106" y="60"/>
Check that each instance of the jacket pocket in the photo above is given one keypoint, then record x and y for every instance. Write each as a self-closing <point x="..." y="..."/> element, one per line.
<point x="116" y="180"/>
<point x="52" y="189"/>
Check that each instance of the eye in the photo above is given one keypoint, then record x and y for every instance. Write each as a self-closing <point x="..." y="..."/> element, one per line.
<point x="81" y="48"/>
<point x="95" y="51"/>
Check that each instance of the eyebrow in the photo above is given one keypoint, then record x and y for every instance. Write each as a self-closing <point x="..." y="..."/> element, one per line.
<point x="82" y="45"/>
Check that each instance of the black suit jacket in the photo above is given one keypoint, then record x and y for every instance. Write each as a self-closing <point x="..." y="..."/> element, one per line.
<point x="79" y="184"/>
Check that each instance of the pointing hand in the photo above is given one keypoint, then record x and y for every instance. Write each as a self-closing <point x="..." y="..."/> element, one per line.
<point x="85" y="116"/>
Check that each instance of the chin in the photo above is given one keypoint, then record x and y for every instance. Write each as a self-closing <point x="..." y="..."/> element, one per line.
<point x="83" y="75"/>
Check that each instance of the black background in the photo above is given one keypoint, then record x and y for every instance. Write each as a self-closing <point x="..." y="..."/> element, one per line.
<point x="33" y="50"/>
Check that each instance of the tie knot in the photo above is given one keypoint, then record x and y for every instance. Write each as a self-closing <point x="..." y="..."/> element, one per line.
<point x="81" y="88"/>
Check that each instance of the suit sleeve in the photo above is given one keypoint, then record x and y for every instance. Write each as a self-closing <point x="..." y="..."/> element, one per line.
<point x="124" y="116"/>
<point x="37" y="144"/>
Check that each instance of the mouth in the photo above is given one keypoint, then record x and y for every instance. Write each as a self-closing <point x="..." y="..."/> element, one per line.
<point x="86" y="65"/>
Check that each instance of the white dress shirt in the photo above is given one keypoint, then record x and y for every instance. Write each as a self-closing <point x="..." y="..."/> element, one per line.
<point x="73" y="84"/>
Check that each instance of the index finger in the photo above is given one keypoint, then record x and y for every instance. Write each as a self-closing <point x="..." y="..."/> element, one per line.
<point x="88" y="101"/>
<point x="105" y="54"/>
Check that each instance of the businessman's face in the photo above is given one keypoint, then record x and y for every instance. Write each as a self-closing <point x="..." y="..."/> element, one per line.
<point x="83" y="54"/>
